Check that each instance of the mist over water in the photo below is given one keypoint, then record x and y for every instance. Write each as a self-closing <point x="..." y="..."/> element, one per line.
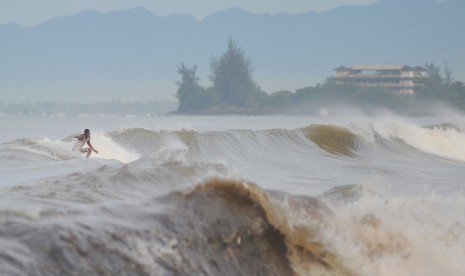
<point x="320" y="195"/>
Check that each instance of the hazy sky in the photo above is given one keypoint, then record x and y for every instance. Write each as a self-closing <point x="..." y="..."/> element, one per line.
<point x="31" y="12"/>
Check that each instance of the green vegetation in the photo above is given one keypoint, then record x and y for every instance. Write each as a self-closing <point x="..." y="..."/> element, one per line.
<point x="232" y="78"/>
<point x="233" y="87"/>
<point x="435" y="87"/>
<point x="190" y="94"/>
<point x="234" y="91"/>
<point x="442" y="87"/>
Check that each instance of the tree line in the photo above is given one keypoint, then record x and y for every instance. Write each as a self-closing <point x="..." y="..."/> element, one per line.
<point x="233" y="85"/>
<point x="233" y="90"/>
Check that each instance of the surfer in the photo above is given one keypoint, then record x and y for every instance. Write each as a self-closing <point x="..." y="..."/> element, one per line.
<point x="82" y="139"/>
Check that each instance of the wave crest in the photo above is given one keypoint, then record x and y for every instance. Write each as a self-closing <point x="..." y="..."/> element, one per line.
<point x="295" y="244"/>
<point x="334" y="139"/>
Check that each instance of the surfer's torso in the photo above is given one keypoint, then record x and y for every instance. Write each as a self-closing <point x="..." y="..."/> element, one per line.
<point x="80" y="143"/>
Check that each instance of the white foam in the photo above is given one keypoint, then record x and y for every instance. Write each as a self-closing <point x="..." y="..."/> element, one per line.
<point x="55" y="149"/>
<point x="447" y="143"/>
<point x="173" y="149"/>
<point x="401" y="236"/>
<point x="109" y="149"/>
<point x="31" y="175"/>
<point x="62" y="150"/>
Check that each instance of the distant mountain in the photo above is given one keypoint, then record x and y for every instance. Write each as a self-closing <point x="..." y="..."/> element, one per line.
<point x="132" y="54"/>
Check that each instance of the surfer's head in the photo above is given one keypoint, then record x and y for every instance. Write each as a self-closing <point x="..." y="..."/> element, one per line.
<point x="86" y="132"/>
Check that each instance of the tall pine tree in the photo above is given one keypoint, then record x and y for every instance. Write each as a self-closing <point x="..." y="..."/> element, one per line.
<point x="231" y="76"/>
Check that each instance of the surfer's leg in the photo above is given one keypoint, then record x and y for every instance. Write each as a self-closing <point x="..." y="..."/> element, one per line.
<point x="89" y="151"/>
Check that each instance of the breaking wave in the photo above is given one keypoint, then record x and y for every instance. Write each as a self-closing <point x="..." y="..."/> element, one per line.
<point x="334" y="139"/>
<point x="238" y="228"/>
<point x="251" y="146"/>
<point x="312" y="200"/>
<point x="44" y="148"/>
<point x="234" y="227"/>
<point x="443" y="140"/>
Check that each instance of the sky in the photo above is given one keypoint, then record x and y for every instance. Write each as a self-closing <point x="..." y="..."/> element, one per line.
<point x="33" y="12"/>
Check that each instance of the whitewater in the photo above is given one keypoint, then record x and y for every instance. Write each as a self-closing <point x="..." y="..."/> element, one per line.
<point x="343" y="194"/>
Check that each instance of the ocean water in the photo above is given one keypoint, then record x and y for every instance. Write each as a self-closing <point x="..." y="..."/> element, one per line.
<point x="346" y="194"/>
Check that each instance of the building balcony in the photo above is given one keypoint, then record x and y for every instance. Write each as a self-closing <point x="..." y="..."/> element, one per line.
<point x="380" y="77"/>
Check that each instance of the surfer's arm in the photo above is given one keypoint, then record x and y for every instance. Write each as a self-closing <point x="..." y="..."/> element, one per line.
<point x="90" y="146"/>
<point x="79" y="137"/>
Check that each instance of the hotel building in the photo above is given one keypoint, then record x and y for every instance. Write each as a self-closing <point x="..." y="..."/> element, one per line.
<point x="398" y="77"/>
